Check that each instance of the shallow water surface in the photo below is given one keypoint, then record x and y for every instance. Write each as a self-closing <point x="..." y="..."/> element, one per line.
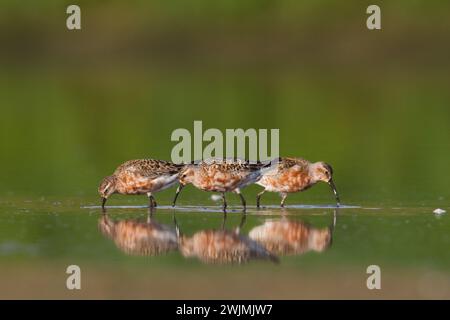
<point x="300" y="251"/>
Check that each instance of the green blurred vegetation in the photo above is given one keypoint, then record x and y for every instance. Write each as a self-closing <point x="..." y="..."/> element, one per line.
<point x="75" y="104"/>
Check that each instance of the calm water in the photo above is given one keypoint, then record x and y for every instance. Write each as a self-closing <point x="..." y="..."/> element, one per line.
<point x="296" y="252"/>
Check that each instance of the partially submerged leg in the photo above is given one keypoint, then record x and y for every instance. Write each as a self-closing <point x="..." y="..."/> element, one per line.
<point x="244" y="204"/>
<point x="238" y="191"/>
<point x="224" y="201"/>
<point x="283" y="198"/>
<point x="258" y="197"/>
<point x="152" y="203"/>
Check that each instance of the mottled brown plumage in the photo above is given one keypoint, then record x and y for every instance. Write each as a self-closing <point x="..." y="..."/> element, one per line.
<point x="289" y="175"/>
<point x="219" y="175"/>
<point x="143" y="176"/>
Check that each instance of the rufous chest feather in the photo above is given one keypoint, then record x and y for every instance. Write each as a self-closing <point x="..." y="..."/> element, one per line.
<point x="214" y="180"/>
<point x="134" y="184"/>
<point x="287" y="181"/>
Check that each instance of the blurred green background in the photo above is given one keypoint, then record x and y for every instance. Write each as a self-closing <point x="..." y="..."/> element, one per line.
<point x="374" y="104"/>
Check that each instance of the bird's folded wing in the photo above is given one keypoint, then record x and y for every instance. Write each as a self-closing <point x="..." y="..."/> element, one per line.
<point x="151" y="168"/>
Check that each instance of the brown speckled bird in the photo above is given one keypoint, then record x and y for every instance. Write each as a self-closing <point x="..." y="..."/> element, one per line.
<point x="219" y="175"/>
<point x="289" y="175"/>
<point x="143" y="176"/>
<point x="139" y="237"/>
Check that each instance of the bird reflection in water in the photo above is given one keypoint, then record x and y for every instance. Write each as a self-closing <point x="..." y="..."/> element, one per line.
<point x="143" y="238"/>
<point x="223" y="246"/>
<point x="288" y="237"/>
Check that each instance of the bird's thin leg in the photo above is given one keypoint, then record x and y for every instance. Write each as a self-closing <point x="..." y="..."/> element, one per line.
<point x="152" y="203"/>
<point x="180" y="187"/>
<point x="244" y="204"/>
<point x="150" y="200"/>
<point x="238" y="191"/>
<point x="283" y="199"/>
<point x="224" y="201"/>
<point x="258" y="198"/>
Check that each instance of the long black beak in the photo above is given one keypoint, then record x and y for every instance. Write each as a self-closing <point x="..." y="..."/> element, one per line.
<point x="103" y="203"/>
<point x="333" y="187"/>
<point x="176" y="194"/>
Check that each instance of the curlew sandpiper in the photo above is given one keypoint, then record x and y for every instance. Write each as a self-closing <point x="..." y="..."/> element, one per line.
<point x="220" y="175"/>
<point x="289" y="175"/>
<point x="142" y="176"/>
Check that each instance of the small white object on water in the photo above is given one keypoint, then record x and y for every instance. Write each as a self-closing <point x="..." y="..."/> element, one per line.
<point x="439" y="211"/>
<point x="216" y="197"/>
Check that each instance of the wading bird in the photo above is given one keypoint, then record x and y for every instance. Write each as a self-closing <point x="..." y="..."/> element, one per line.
<point x="143" y="176"/>
<point x="221" y="176"/>
<point x="290" y="175"/>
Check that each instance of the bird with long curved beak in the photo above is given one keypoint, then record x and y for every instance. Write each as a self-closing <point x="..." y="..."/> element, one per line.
<point x="141" y="176"/>
<point x="289" y="175"/>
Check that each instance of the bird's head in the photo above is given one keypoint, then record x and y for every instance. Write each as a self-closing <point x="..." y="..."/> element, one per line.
<point x="321" y="171"/>
<point x="107" y="187"/>
<point x="187" y="174"/>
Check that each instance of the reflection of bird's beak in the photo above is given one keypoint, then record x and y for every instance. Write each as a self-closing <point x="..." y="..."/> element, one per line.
<point x="177" y="228"/>
<point x="103" y="202"/>
<point x="333" y="187"/>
